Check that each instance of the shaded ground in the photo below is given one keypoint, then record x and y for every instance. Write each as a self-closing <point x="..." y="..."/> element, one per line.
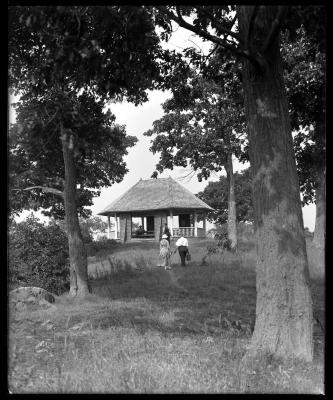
<point x="149" y="330"/>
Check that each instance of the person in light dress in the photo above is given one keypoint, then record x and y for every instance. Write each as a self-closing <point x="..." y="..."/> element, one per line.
<point x="165" y="253"/>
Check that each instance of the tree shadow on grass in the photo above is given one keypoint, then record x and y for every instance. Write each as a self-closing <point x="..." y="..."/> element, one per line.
<point x="207" y="300"/>
<point x="182" y="301"/>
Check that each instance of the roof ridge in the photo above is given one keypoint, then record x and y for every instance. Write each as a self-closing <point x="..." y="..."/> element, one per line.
<point x="155" y="179"/>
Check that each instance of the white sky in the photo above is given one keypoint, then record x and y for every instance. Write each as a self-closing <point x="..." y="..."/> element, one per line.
<point x="140" y="161"/>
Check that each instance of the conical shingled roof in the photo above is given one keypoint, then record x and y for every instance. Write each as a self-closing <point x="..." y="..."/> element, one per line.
<point x="155" y="194"/>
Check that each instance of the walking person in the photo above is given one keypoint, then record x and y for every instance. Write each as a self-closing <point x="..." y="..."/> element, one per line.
<point x="182" y="245"/>
<point x="167" y="232"/>
<point x="165" y="253"/>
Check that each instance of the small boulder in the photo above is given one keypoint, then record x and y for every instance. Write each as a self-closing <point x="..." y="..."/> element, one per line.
<point x="30" y="295"/>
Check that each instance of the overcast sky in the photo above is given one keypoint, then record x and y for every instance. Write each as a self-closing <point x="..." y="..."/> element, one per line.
<point x="140" y="161"/>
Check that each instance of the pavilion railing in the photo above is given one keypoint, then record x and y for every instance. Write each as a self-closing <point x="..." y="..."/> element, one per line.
<point x="184" y="231"/>
<point x="188" y="232"/>
<point x="177" y="232"/>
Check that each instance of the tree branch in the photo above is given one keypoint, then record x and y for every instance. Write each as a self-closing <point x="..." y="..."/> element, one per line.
<point x="221" y="27"/>
<point x="180" y="21"/>
<point x="213" y="51"/>
<point x="196" y="45"/>
<point x="233" y="21"/>
<point x="276" y="25"/>
<point x="43" y="188"/>
<point x="51" y="119"/>
<point x="190" y="175"/>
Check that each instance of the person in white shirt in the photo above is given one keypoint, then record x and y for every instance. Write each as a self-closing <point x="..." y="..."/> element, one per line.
<point x="182" y="245"/>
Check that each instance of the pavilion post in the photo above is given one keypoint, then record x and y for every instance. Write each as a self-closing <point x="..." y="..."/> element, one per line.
<point x="115" y="226"/>
<point x="204" y="223"/>
<point x="195" y="224"/>
<point x="109" y="227"/>
<point x="171" y="223"/>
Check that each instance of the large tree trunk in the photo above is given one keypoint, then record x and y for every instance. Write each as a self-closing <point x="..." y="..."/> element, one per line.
<point x="77" y="252"/>
<point x="232" y="216"/>
<point x="283" y="325"/>
<point x="319" y="236"/>
<point x="320" y="226"/>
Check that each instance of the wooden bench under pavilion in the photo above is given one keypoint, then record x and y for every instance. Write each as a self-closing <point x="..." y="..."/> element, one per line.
<point x="156" y="202"/>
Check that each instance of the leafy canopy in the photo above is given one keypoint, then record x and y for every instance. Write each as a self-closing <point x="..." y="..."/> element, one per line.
<point x="303" y="44"/>
<point x="66" y="62"/>
<point x="35" y="151"/>
<point x="305" y="77"/>
<point x="203" y="122"/>
<point x="215" y="194"/>
<point x="110" y="51"/>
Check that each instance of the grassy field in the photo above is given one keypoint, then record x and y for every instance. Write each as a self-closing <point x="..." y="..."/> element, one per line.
<point x="147" y="330"/>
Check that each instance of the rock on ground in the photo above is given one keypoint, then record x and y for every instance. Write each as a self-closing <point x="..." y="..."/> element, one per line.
<point x="30" y="295"/>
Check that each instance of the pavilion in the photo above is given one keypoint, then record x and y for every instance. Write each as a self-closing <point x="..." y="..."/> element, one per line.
<point x="156" y="202"/>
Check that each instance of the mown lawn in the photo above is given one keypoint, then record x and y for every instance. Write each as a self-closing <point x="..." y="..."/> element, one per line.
<point x="146" y="330"/>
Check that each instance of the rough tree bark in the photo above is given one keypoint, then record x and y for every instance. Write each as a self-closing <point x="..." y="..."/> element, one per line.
<point x="232" y="215"/>
<point x="77" y="253"/>
<point x="283" y="325"/>
<point x="320" y="225"/>
<point x="319" y="237"/>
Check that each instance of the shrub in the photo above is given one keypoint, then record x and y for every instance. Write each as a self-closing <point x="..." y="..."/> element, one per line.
<point x="38" y="256"/>
<point x="100" y="245"/>
<point x="245" y="231"/>
<point x="85" y="229"/>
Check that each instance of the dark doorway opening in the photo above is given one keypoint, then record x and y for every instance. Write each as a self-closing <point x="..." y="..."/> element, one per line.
<point x="150" y="224"/>
<point x="184" y="220"/>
